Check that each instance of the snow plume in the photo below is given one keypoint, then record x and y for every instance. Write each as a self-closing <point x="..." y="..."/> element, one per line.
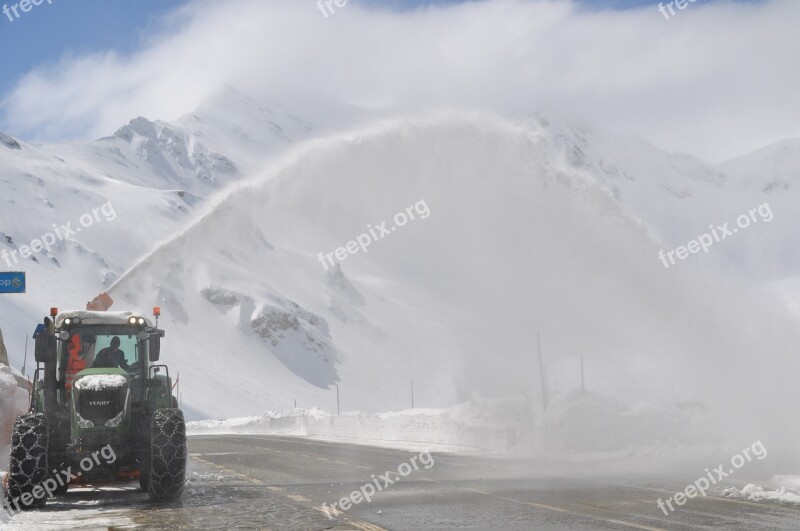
<point x="678" y="84"/>
<point x="520" y="244"/>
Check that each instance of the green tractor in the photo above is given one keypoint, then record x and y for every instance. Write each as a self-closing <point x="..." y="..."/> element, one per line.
<point x="102" y="410"/>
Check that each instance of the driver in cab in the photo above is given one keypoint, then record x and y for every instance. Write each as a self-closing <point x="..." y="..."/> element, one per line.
<point x="111" y="357"/>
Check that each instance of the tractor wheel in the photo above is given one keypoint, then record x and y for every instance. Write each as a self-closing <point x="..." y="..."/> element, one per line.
<point x="28" y="460"/>
<point x="167" y="470"/>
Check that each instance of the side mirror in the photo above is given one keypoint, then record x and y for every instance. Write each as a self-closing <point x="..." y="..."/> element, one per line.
<point x="45" y="342"/>
<point x="155" y="348"/>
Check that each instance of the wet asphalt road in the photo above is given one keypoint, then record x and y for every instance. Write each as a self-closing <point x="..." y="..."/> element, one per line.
<point x="267" y="482"/>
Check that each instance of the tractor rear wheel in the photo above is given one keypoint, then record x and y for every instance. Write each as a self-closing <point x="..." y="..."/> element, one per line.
<point x="167" y="466"/>
<point x="28" y="460"/>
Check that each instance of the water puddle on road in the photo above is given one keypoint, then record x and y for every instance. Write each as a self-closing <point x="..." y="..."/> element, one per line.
<point x="212" y="500"/>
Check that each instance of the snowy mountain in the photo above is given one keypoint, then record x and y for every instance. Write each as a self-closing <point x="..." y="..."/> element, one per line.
<point x="182" y="164"/>
<point x="99" y="206"/>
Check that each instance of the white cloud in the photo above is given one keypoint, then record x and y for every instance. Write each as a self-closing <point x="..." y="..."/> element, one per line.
<point x="716" y="80"/>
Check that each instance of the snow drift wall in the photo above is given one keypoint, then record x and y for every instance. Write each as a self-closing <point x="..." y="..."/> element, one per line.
<point x="13" y="399"/>
<point x="431" y="429"/>
<point x="574" y="425"/>
<point x="13" y="402"/>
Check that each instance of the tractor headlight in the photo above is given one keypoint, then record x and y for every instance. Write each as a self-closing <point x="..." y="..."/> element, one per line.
<point x="116" y="421"/>
<point x="132" y="320"/>
<point x="70" y="321"/>
<point x="83" y="423"/>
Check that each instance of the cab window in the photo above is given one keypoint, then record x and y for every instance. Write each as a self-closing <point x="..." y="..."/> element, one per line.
<point x="127" y="344"/>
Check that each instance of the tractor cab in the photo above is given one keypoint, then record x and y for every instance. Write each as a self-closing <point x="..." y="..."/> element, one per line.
<point x="105" y="340"/>
<point x="87" y="340"/>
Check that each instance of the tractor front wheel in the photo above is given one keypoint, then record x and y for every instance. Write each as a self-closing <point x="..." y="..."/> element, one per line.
<point x="28" y="461"/>
<point x="166" y="469"/>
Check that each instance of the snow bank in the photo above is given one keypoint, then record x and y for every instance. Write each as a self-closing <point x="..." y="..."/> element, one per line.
<point x="13" y="402"/>
<point x="408" y="429"/>
<point x="781" y="489"/>
<point x="756" y="493"/>
<point x="574" y="425"/>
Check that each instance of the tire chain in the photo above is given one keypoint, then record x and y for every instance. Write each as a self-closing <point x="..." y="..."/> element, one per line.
<point x="168" y="455"/>
<point x="28" y="463"/>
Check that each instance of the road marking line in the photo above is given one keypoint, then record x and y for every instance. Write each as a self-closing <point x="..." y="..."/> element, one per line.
<point x="358" y="524"/>
<point x="563" y="510"/>
<point x="366" y="526"/>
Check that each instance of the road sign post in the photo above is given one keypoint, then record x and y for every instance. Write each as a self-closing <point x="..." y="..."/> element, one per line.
<point x="12" y="282"/>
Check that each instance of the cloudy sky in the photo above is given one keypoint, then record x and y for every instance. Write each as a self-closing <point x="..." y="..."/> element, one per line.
<point x="717" y="80"/>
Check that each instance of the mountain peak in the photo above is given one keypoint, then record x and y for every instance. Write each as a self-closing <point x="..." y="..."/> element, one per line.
<point x="769" y="169"/>
<point x="138" y="126"/>
<point x="9" y="142"/>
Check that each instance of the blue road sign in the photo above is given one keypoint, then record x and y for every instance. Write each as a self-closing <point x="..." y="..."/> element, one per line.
<point x="12" y="282"/>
